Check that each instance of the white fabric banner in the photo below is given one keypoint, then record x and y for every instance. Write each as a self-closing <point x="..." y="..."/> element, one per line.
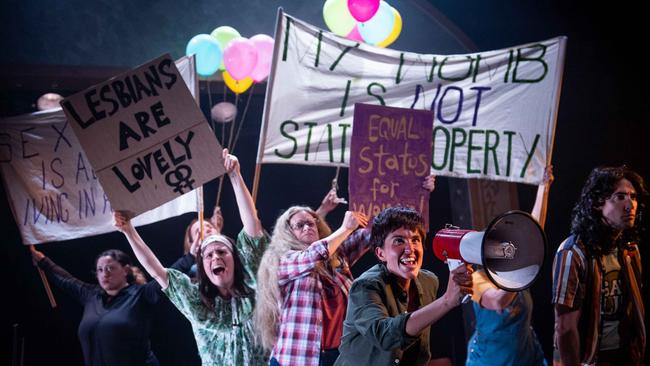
<point x="51" y="187"/>
<point x="495" y="111"/>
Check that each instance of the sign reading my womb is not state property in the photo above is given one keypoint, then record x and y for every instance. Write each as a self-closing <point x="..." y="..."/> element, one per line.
<point x="145" y="137"/>
<point x="390" y="156"/>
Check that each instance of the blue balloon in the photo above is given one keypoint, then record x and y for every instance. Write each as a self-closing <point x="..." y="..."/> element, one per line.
<point x="208" y="53"/>
<point x="379" y="26"/>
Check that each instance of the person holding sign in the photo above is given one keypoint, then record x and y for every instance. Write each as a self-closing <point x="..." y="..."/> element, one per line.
<point x="304" y="279"/>
<point x="117" y="317"/>
<point x="503" y="334"/>
<point x="393" y="304"/>
<point x="220" y="306"/>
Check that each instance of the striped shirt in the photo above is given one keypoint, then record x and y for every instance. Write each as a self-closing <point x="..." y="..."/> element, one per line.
<point x="301" y="314"/>
<point x="577" y="280"/>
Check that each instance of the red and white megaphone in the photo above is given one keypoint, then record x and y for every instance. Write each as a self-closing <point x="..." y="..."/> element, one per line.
<point x="512" y="249"/>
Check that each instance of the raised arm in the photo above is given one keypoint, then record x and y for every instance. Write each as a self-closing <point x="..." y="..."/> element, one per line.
<point x="146" y="257"/>
<point x="460" y="283"/>
<point x="351" y="222"/>
<point x="72" y="286"/>
<point x="245" y="204"/>
<point x="541" y="199"/>
<point x="329" y="203"/>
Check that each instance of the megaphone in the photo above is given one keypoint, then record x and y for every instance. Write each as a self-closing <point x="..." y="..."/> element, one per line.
<point x="512" y="249"/>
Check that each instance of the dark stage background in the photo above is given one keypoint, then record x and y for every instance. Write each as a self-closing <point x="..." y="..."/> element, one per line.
<point x="603" y="119"/>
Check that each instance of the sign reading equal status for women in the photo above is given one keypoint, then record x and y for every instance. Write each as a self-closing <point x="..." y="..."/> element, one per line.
<point x="145" y="136"/>
<point x="389" y="159"/>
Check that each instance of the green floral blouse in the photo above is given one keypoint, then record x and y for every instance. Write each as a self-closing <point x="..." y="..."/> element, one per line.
<point x="225" y="335"/>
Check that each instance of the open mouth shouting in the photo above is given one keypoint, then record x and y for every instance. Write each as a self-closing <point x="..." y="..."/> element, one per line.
<point x="409" y="261"/>
<point x="402" y="253"/>
<point x="218" y="269"/>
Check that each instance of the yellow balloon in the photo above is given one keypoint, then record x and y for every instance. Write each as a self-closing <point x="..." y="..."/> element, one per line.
<point x="397" y="29"/>
<point x="237" y="86"/>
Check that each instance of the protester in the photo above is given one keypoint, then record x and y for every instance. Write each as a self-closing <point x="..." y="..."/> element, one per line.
<point x="117" y="317"/>
<point x="220" y="306"/>
<point x="597" y="274"/>
<point x="503" y="334"/>
<point x="304" y="281"/>
<point x="393" y="304"/>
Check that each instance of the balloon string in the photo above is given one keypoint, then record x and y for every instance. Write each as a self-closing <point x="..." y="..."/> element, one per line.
<point x="225" y="90"/>
<point x="232" y="124"/>
<point x="214" y="128"/>
<point x="243" y="117"/>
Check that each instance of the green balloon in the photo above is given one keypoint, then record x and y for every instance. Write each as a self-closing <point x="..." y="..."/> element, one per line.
<point x="224" y="35"/>
<point x="338" y="18"/>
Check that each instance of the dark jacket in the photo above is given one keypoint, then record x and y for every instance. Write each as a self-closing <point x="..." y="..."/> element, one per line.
<point x="374" y="331"/>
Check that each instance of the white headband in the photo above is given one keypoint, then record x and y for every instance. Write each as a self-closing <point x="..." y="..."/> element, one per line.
<point x="216" y="238"/>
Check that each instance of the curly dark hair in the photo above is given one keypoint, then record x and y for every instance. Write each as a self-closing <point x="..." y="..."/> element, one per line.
<point x="208" y="291"/>
<point x="588" y="224"/>
<point x="394" y="218"/>
<point x="121" y="258"/>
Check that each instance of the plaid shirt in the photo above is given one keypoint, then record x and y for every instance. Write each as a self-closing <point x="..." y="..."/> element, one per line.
<point x="577" y="284"/>
<point x="301" y="314"/>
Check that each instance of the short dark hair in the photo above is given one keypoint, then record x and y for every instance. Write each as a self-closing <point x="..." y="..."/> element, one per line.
<point x="587" y="222"/>
<point x="121" y="258"/>
<point x="394" y="218"/>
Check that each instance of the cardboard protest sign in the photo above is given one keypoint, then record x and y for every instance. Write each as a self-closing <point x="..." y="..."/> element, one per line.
<point x="390" y="157"/>
<point x="145" y="136"/>
<point x="51" y="187"/>
<point x="496" y="109"/>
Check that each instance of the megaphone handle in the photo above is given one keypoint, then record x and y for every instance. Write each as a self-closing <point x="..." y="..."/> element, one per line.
<point x="453" y="264"/>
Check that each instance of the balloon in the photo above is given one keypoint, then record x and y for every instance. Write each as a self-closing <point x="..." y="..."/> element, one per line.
<point x="224" y="35"/>
<point x="240" y="57"/>
<point x="223" y="112"/>
<point x="363" y="10"/>
<point x="207" y="51"/>
<point x="380" y="26"/>
<point x="237" y="86"/>
<point x="354" y="35"/>
<point x="48" y="101"/>
<point x="397" y="29"/>
<point x="337" y="17"/>
<point x="264" y="46"/>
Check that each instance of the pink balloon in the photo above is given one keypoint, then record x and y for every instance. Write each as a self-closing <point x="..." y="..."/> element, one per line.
<point x="240" y="58"/>
<point x="264" y="46"/>
<point x="363" y="10"/>
<point x="355" y="35"/>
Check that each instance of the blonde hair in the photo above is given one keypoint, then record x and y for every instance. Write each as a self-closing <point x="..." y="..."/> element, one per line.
<point x="268" y="297"/>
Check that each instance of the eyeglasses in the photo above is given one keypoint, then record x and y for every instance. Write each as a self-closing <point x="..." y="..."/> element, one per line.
<point x="301" y="224"/>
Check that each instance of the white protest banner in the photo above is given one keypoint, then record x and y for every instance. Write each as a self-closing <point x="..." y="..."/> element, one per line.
<point x="145" y="136"/>
<point x="53" y="192"/>
<point x="495" y="111"/>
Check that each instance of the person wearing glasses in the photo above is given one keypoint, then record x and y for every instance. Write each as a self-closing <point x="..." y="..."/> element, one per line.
<point x="304" y="281"/>
<point x="220" y="305"/>
<point x="599" y="309"/>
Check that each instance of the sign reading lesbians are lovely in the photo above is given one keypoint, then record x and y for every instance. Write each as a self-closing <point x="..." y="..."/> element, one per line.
<point x="145" y="137"/>
<point x="390" y="156"/>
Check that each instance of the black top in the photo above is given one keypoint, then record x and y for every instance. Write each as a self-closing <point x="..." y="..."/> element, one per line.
<point x="114" y="330"/>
